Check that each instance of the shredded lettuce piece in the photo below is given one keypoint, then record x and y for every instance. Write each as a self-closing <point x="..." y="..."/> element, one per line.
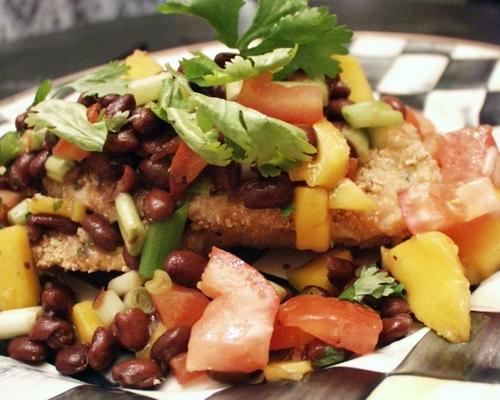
<point x="203" y="71"/>
<point x="68" y="120"/>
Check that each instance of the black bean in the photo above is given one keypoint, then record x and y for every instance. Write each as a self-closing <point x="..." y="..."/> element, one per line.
<point x="132" y="262"/>
<point x="72" y="360"/>
<point x="185" y="267"/>
<point x="155" y="172"/>
<point x="49" y="141"/>
<point x="395" y="328"/>
<point x="108" y="99"/>
<point x="222" y="58"/>
<point x="54" y="222"/>
<point x="146" y="122"/>
<point x="57" y="298"/>
<point x="101" y="351"/>
<point x="219" y="91"/>
<point x="20" y="124"/>
<point x="173" y="342"/>
<point x="233" y="378"/>
<point x="267" y="193"/>
<point x="131" y="329"/>
<point x="35" y="231"/>
<point x="4" y="182"/>
<point x="120" y="104"/>
<point x="57" y="332"/>
<point x="100" y="230"/>
<point x="37" y="164"/>
<point x="340" y="271"/>
<point x="122" y="142"/>
<point x="391" y="306"/>
<point x="158" y="205"/>
<point x="334" y="109"/>
<point x="25" y="350"/>
<point x="395" y="103"/>
<point x="337" y="89"/>
<point x="228" y="177"/>
<point x="129" y="180"/>
<point x="104" y="166"/>
<point x="19" y="172"/>
<point x="137" y="373"/>
<point x="87" y="101"/>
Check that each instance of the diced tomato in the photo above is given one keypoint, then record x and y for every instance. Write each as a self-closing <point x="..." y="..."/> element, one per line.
<point x="185" y="168"/>
<point x="9" y="198"/>
<point x="235" y="330"/>
<point x="339" y="323"/>
<point x="299" y="104"/>
<point x="285" y="337"/>
<point x="178" y="367"/>
<point x="467" y="153"/>
<point x="66" y="149"/>
<point x="425" y="129"/>
<point x="93" y="113"/>
<point x="437" y="206"/>
<point x="180" y="306"/>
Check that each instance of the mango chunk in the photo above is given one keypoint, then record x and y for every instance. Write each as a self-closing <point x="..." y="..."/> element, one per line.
<point x="438" y="291"/>
<point x="312" y="220"/>
<point x="349" y="196"/>
<point x="330" y="164"/>
<point x="85" y="320"/>
<point x="159" y="330"/>
<point x="75" y="210"/>
<point x="287" y="370"/>
<point x="479" y="246"/>
<point x="353" y="75"/>
<point x="19" y="285"/>
<point x="141" y="65"/>
<point x="315" y="272"/>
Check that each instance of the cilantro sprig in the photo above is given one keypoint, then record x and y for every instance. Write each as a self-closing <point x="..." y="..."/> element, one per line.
<point x="371" y="281"/>
<point x="277" y="24"/>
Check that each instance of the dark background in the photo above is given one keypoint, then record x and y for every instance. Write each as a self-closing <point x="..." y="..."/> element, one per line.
<point x="25" y="62"/>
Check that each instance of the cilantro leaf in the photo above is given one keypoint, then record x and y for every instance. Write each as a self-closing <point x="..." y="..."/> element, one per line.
<point x="106" y="80"/>
<point x="205" y="72"/>
<point x="318" y="37"/>
<point x="331" y="356"/>
<point x="270" y="144"/>
<point x="268" y="14"/>
<point x="42" y="92"/>
<point x="372" y="281"/>
<point x="68" y="120"/>
<point x="222" y="15"/>
<point x="288" y="210"/>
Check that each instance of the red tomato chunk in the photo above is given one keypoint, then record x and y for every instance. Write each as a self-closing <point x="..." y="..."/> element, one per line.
<point x="339" y="323"/>
<point x="235" y="330"/>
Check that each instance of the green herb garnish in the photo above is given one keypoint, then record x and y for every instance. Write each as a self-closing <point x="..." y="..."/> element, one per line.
<point x="42" y="92"/>
<point x="371" y="281"/>
<point x="331" y="356"/>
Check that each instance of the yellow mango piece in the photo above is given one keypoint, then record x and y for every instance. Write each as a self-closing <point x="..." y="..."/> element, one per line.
<point x="287" y="370"/>
<point x="19" y="284"/>
<point x="74" y="210"/>
<point x="330" y="164"/>
<point x="349" y="196"/>
<point x="85" y="320"/>
<point x="438" y="291"/>
<point x="315" y="272"/>
<point x="159" y="330"/>
<point x="353" y="75"/>
<point x="479" y="246"/>
<point x="141" y="65"/>
<point x="312" y="220"/>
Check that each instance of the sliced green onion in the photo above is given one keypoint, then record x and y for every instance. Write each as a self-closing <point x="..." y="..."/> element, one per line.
<point x="147" y="89"/>
<point x="106" y="305"/>
<point x="162" y="238"/>
<point x="58" y="167"/>
<point x="160" y="283"/>
<point x="371" y="114"/>
<point x="130" y="224"/>
<point x="18" y="322"/>
<point x="124" y="283"/>
<point x="18" y="215"/>
<point x="10" y="147"/>
<point x="139" y="298"/>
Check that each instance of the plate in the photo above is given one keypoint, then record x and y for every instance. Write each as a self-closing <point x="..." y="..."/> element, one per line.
<point x="455" y="83"/>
